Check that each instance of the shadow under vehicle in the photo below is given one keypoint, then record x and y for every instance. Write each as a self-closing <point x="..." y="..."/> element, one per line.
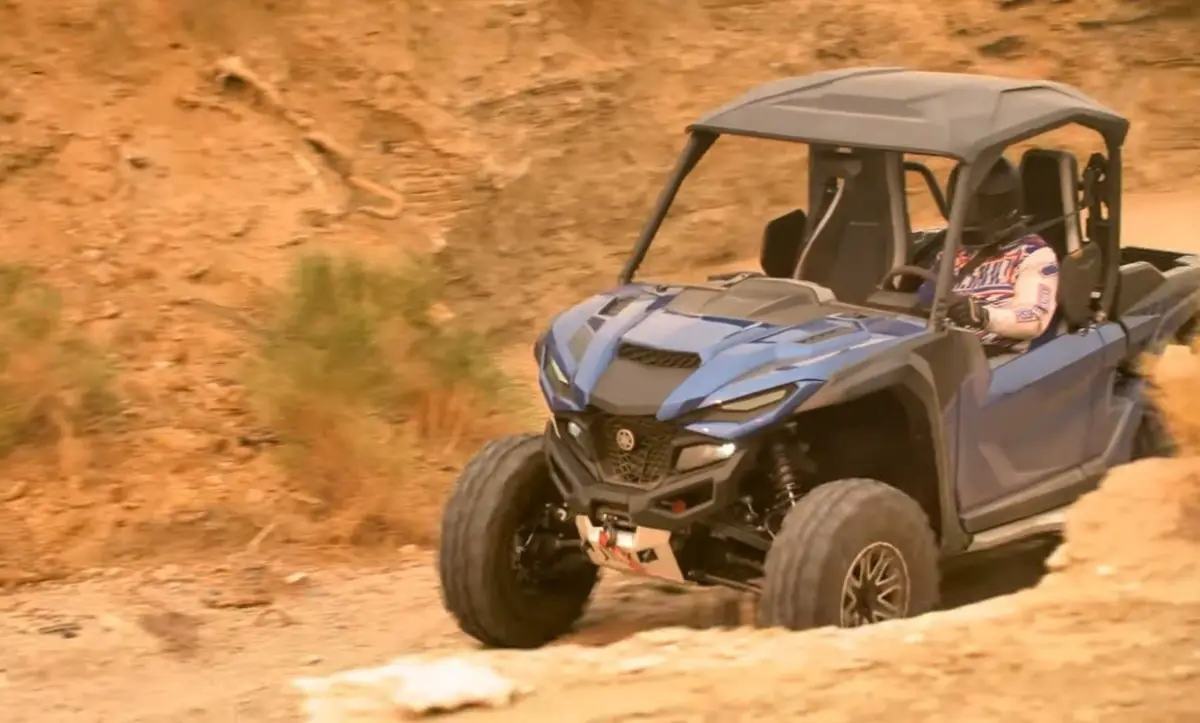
<point x="813" y="433"/>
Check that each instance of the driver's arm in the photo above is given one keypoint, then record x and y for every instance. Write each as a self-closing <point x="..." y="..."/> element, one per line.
<point x="1035" y="297"/>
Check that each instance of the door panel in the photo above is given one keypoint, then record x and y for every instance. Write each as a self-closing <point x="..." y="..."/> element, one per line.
<point x="1031" y="421"/>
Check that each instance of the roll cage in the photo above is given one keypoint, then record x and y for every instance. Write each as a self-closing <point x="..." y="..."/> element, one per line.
<point x="862" y="124"/>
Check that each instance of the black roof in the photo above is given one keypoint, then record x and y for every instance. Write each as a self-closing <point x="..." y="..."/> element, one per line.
<point x="947" y="114"/>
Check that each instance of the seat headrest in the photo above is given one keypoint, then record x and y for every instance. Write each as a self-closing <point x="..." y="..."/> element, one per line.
<point x="1050" y="180"/>
<point x="1064" y="161"/>
<point x="782" y="240"/>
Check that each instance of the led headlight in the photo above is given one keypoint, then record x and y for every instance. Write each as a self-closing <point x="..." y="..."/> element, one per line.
<point x="701" y="455"/>
<point x="757" y="401"/>
<point x="571" y="427"/>
<point x="556" y="372"/>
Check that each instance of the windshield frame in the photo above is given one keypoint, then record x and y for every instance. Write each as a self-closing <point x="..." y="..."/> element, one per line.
<point x="698" y="144"/>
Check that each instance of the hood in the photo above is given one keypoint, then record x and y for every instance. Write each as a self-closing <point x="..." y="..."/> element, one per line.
<point x="668" y="351"/>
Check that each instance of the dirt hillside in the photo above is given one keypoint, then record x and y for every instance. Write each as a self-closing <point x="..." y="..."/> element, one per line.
<point x="164" y="167"/>
<point x="268" y="269"/>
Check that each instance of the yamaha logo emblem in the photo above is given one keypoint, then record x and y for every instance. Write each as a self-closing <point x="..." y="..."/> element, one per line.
<point x="625" y="440"/>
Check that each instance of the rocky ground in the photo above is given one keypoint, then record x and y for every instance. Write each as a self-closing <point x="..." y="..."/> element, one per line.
<point x="221" y="642"/>
<point x="163" y="167"/>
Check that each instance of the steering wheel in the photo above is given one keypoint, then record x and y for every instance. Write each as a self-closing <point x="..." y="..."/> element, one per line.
<point x="906" y="270"/>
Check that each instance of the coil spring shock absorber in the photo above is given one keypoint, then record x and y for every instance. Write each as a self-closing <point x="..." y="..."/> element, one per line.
<point x="787" y="489"/>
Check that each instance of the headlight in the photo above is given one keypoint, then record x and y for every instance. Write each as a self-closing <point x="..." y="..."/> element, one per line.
<point x="757" y="401"/>
<point x="556" y="372"/>
<point x="571" y="427"/>
<point x="574" y="430"/>
<point x="701" y="455"/>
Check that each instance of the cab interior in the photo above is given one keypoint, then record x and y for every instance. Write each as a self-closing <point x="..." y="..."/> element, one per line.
<point x="861" y="228"/>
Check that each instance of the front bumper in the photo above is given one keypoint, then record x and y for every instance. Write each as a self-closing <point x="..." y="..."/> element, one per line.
<point x="673" y="504"/>
<point x="641" y="551"/>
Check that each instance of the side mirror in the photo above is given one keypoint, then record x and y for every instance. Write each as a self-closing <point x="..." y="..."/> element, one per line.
<point x="783" y="240"/>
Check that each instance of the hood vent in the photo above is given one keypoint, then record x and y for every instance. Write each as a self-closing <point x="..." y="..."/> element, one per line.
<point x="616" y="306"/>
<point x="827" y="335"/>
<point x="658" y="357"/>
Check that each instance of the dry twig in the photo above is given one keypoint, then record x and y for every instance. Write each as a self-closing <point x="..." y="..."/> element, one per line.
<point x="338" y="158"/>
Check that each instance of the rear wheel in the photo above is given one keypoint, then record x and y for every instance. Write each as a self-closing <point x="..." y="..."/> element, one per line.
<point x="512" y="571"/>
<point x="1152" y="438"/>
<point x="851" y="552"/>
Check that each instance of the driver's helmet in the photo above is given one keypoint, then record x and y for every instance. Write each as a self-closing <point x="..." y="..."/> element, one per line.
<point x="994" y="212"/>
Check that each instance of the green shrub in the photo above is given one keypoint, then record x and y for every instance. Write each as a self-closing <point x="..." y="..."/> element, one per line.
<point x="53" y="381"/>
<point x="369" y="391"/>
<point x="365" y="337"/>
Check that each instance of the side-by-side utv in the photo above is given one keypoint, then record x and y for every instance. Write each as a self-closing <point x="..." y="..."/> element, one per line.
<point x="813" y="432"/>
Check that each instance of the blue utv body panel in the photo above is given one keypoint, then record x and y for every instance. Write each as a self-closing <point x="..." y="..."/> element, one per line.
<point x="739" y="358"/>
<point x="1022" y="433"/>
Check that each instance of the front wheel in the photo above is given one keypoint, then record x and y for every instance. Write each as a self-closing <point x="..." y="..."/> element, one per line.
<point x="851" y="552"/>
<point x="513" y="574"/>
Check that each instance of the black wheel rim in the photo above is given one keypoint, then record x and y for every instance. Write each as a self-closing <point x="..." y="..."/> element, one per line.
<point x="876" y="587"/>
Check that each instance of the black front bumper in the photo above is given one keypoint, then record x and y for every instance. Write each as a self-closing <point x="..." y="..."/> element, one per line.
<point x="708" y="491"/>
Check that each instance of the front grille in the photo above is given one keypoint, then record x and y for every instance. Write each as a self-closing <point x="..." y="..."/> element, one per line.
<point x="658" y="357"/>
<point x="649" y="459"/>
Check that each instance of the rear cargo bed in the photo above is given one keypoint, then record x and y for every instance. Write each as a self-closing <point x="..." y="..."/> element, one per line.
<point x="1158" y="258"/>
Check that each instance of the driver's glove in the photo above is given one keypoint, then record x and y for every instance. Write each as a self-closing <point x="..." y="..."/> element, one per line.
<point x="966" y="312"/>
